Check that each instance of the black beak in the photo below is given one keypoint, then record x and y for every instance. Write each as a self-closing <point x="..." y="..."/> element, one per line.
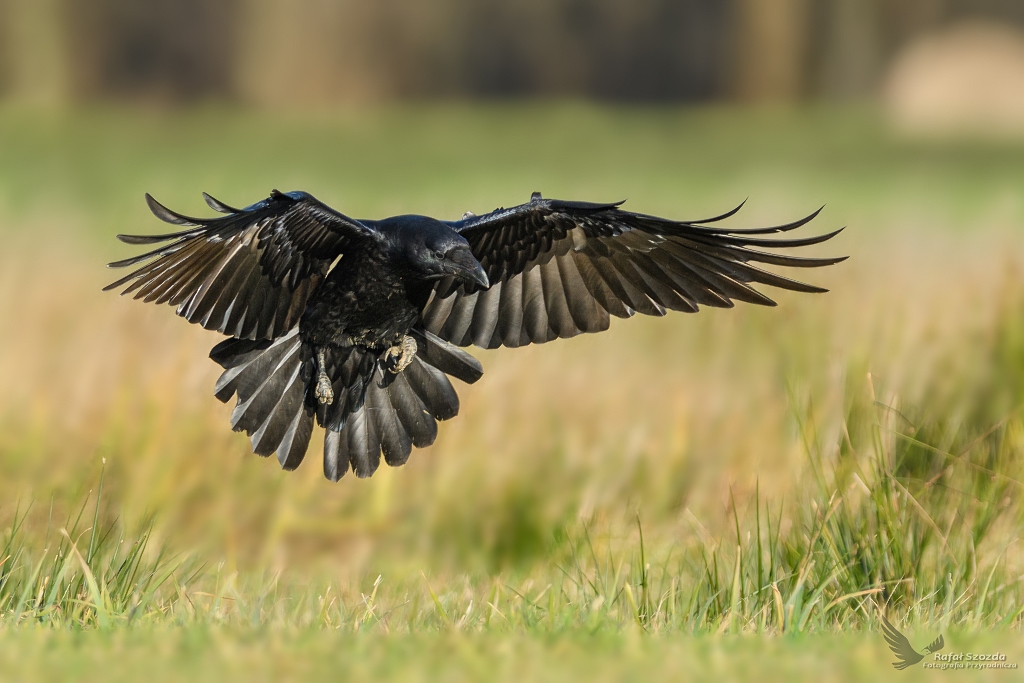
<point x="467" y="269"/>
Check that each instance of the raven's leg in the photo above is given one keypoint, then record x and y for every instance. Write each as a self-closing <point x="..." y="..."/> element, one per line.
<point x="324" y="392"/>
<point x="398" y="357"/>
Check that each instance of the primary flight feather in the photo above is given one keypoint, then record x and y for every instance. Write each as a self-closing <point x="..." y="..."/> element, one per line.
<point x="357" y="324"/>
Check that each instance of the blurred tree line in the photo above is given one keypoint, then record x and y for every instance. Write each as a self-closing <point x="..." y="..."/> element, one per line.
<point x="304" y="52"/>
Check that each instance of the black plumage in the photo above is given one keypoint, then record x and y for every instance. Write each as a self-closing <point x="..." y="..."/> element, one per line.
<point x="356" y="324"/>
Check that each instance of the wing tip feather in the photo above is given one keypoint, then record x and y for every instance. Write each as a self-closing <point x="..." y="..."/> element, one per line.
<point x="218" y="205"/>
<point x="723" y="216"/>
<point x="168" y="216"/>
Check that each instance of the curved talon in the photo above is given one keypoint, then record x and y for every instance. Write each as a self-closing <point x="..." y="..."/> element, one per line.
<point x="398" y="357"/>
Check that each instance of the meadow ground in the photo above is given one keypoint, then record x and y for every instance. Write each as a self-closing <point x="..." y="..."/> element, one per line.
<point x="720" y="495"/>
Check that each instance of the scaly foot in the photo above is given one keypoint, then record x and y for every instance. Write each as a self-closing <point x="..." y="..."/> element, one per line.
<point x="324" y="392"/>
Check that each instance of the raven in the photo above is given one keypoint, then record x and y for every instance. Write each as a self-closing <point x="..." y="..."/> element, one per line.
<point x="357" y="324"/>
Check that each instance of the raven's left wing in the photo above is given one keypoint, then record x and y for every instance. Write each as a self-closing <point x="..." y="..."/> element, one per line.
<point x="560" y="268"/>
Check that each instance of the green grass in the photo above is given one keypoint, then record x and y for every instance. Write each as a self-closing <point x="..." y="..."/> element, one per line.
<point x="212" y="654"/>
<point x="695" y="494"/>
<point x="858" y="539"/>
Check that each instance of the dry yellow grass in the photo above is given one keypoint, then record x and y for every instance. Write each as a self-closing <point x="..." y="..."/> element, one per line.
<point x="664" y="417"/>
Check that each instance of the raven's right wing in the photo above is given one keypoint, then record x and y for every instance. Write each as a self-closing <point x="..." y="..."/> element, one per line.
<point x="247" y="274"/>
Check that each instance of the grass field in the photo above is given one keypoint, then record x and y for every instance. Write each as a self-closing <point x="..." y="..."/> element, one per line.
<point x="713" y="495"/>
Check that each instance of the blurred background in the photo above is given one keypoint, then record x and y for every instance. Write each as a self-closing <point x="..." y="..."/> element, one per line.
<point x="327" y="52"/>
<point x="905" y="117"/>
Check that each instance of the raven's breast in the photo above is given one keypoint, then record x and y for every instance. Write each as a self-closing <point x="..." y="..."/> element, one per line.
<point x="362" y="301"/>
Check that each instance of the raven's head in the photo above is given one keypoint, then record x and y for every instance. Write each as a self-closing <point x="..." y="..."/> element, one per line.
<point x="433" y="251"/>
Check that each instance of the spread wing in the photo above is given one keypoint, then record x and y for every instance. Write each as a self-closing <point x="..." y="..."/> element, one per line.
<point x="936" y="644"/>
<point x="560" y="268"/>
<point x="900" y="646"/>
<point x="249" y="273"/>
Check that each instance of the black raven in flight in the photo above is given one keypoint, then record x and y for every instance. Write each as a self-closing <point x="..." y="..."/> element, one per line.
<point x="358" y="323"/>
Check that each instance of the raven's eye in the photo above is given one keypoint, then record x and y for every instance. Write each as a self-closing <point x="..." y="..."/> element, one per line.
<point x="439" y="255"/>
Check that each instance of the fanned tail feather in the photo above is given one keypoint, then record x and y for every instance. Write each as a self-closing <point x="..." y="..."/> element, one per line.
<point x="373" y="411"/>
<point x="395" y="416"/>
<point x="270" y="379"/>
